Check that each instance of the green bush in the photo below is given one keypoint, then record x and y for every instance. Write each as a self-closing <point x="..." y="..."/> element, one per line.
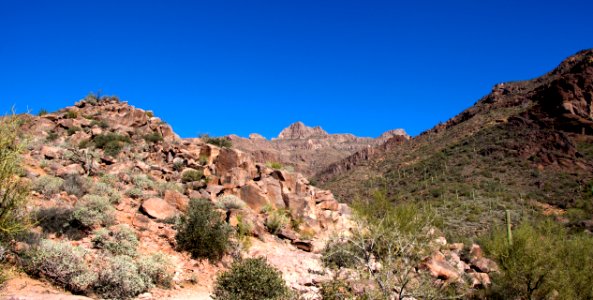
<point x="104" y="189"/>
<point x="70" y="114"/>
<point x="157" y="269"/>
<point x="191" y="175"/>
<point x="276" y="220"/>
<point x="153" y="137"/>
<point x="121" y="279"/>
<point x="222" y="142"/>
<point x="341" y="254"/>
<point x="47" y="185"/>
<point x="52" y="136"/>
<point x="142" y="181"/>
<point x="42" y="112"/>
<point x="250" y="279"/>
<point x="274" y="165"/>
<point x="14" y="191"/>
<point x="120" y="240"/>
<point x="336" y="290"/>
<point x="72" y="130"/>
<point x="543" y="260"/>
<point x="229" y="202"/>
<point x="62" y="264"/>
<point x="111" y="143"/>
<point x="101" y="123"/>
<point x="202" y="232"/>
<point x="135" y="193"/>
<point x="93" y="210"/>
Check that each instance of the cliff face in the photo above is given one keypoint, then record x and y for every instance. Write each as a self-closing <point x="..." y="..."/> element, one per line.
<point x="308" y="149"/>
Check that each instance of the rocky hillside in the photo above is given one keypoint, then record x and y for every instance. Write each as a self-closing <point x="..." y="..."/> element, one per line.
<point x="308" y="149"/>
<point x="526" y="146"/>
<point x="103" y="164"/>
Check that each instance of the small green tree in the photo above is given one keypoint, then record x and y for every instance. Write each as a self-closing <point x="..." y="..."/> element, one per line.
<point x="250" y="279"/>
<point x="202" y="231"/>
<point x="14" y="190"/>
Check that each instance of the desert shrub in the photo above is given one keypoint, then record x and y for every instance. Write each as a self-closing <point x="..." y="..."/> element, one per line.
<point x="250" y="279"/>
<point x="274" y="165"/>
<point x="341" y="254"/>
<point x="202" y="232"/>
<point x="142" y="181"/>
<point x="42" y="112"/>
<point x="336" y="290"/>
<point x="14" y="191"/>
<point x="153" y="137"/>
<point x="203" y="160"/>
<point x="229" y="202"/>
<point x="543" y="260"/>
<point x="62" y="264"/>
<point x="70" y="114"/>
<point x="120" y="240"/>
<point x="75" y="184"/>
<point x="149" y="113"/>
<point x="101" y="123"/>
<point x="135" y="193"/>
<point x="52" y="136"/>
<point x="104" y="189"/>
<point x="191" y="175"/>
<point x="276" y="220"/>
<point x="47" y="185"/>
<point x="222" y="142"/>
<point x="93" y="210"/>
<point x="156" y="269"/>
<point x="163" y="186"/>
<point x="120" y="279"/>
<point x="111" y="143"/>
<point x="72" y="130"/>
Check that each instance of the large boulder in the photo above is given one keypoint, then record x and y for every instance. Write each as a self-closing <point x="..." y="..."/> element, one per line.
<point x="177" y="200"/>
<point x="253" y="196"/>
<point x="440" y="268"/>
<point x="158" y="208"/>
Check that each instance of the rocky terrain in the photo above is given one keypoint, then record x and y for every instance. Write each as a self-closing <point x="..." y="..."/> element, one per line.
<point x="107" y="160"/>
<point x="308" y="149"/>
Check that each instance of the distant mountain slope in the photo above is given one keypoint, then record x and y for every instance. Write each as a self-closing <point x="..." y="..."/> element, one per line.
<point x="308" y="149"/>
<point x="527" y="145"/>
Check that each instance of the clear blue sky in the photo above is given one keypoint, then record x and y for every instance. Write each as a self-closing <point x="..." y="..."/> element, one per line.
<point x="223" y="67"/>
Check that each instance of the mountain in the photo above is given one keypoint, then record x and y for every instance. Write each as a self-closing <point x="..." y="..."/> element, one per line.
<point x="308" y="149"/>
<point x="528" y="145"/>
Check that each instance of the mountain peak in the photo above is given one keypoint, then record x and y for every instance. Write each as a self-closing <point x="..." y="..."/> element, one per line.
<point x="299" y="130"/>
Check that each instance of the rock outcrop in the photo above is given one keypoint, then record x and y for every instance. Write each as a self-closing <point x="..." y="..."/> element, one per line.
<point x="308" y="149"/>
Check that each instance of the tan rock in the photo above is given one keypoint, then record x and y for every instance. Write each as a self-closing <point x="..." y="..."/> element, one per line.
<point x="483" y="264"/>
<point x="440" y="268"/>
<point x="253" y="196"/>
<point x="273" y="192"/>
<point x="70" y="169"/>
<point x="479" y="280"/>
<point x="158" y="208"/>
<point x="177" y="200"/>
<point x="49" y="152"/>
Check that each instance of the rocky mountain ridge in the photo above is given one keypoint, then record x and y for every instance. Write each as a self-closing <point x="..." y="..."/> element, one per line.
<point x="528" y="138"/>
<point x="308" y="149"/>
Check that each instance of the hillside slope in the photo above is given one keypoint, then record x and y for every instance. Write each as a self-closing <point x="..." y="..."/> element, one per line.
<point x="526" y="146"/>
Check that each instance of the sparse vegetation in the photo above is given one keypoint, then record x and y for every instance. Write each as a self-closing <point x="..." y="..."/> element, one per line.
<point x="52" y="136"/>
<point x="191" y="175"/>
<point x="70" y="114"/>
<point x="120" y="240"/>
<point x="75" y="184"/>
<point x="229" y="202"/>
<point x="111" y="143"/>
<point x="221" y="142"/>
<point x="62" y="264"/>
<point x="93" y="210"/>
<point x="42" y="112"/>
<point x="153" y="137"/>
<point x="202" y="232"/>
<point x="120" y="279"/>
<point x="274" y="165"/>
<point x="250" y="279"/>
<point x="543" y="261"/>
<point x="276" y="220"/>
<point x="47" y="185"/>
<point x="14" y="191"/>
